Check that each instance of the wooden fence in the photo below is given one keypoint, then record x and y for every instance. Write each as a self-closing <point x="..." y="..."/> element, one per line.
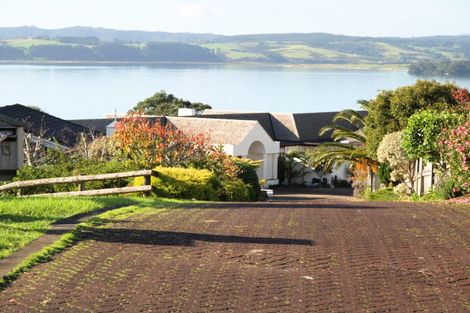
<point x="81" y="180"/>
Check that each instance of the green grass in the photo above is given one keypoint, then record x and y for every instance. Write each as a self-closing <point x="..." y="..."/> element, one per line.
<point x="301" y="51"/>
<point x="234" y="51"/>
<point x="23" y="220"/>
<point x="141" y="206"/>
<point x="29" y="42"/>
<point x="385" y="194"/>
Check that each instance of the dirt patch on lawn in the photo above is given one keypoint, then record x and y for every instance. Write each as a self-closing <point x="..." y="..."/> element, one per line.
<point x="293" y="254"/>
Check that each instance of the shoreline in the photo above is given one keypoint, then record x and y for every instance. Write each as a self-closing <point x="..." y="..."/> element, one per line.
<point x="319" y="66"/>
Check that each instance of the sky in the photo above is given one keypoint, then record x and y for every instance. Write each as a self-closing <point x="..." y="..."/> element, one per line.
<point x="404" y="18"/>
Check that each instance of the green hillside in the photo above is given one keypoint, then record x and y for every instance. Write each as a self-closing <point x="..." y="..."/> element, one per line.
<point x="96" y="44"/>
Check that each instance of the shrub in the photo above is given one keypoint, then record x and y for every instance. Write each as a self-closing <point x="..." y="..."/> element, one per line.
<point x="455" y="150"/>
<point x="247" y="173"/>
<point x="422" y="134"/>
<point x="235" y="190"/>
<point x="386" y="194"/>
<point x="73" y="168"/>
<point x="384" y="173"/>
<point x="392" y="153"/>
<point x="446" y="189"/>
<point x="184" y="183"/>
<point x="148" y="144"/>
<point x="342" y="184"/>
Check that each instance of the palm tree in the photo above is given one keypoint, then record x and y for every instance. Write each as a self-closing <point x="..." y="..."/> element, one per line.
<point x="349" y="142"/>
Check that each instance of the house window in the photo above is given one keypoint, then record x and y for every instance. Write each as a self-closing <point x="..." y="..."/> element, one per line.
<point x="5" y="149"/>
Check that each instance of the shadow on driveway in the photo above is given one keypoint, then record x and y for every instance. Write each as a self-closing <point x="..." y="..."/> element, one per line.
<point x="166" y="238"/>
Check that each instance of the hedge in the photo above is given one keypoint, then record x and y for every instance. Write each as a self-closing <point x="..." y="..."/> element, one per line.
<point x="184" y="183"/>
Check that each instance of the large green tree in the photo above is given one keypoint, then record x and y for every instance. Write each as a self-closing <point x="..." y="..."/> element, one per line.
<point x="163" y="103"/>
<point x="390" y="110"/>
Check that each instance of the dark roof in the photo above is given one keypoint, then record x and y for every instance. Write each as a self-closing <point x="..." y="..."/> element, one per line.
<point x="288" y="128"/>
<point x="10" y="120"/>
<point x="100" y="124"/>
<point x="40" y="123"/>
<point x="95" y="124"/>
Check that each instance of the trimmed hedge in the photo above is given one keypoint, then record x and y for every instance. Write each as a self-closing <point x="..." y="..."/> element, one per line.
<point x="184" y="183"/>
<point x="198" y="184"/>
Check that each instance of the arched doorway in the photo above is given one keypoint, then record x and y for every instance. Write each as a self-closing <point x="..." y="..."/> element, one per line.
<point x="257" y="152"/>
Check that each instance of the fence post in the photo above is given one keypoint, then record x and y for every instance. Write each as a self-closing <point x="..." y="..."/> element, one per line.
<point x="81" y="186"/>
<point x="18" y="193"/>
<point x="148" y="182"/>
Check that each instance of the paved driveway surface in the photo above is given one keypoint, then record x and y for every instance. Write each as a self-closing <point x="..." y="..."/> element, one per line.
<point x="294" y="254"/>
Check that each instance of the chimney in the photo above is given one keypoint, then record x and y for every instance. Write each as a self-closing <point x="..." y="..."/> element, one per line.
<point x="186" y="112"/>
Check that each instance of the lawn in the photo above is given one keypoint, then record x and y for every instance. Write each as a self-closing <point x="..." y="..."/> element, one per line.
<point x="24" y="219"/>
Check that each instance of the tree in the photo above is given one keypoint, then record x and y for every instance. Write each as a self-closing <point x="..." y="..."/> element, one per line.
<point x="422" y="134"/>
<point x="390" y="110"/>
<point x="349" y="146"/>
<point x="163" y="103"/>
<point x="391" y="152"/>
<point x="349" y="142"/>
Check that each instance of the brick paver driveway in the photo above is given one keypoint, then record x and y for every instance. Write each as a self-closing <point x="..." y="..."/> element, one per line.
<point x="304" y="254"/>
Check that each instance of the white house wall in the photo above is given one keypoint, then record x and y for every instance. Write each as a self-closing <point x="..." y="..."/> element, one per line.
<point x="257" y="134"/>
<point x="269" y="167"/>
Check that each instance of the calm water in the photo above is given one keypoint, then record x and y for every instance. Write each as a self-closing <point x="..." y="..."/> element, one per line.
<point x="93" y="91"/>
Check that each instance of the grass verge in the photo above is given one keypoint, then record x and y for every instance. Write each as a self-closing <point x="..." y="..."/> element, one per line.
<point x="23" y="220"/>
<point x="138" y="206"/>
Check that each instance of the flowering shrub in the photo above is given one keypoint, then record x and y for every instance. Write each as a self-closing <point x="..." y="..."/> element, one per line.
<point x="391" y="152"/>
<point x="455" y="148"/>
<point x="149" y="144"/>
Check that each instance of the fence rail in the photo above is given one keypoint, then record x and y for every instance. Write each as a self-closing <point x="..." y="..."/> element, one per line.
<point x="81" y="180"/>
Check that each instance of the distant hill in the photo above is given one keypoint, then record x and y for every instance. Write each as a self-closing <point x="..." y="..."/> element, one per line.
<point x="101" y="44"/>
<point x="103" y="34"/>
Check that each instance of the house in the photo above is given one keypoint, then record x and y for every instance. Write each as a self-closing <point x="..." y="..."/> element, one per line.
<point x="237" y="132"/>
<point x="295" y="132"/>
<point x="11" y="146"/>
<point x="243" y="138"/>
<point x="55" y="131"/>
<point x="259" y="136"/>
<point x="18" y="122"/>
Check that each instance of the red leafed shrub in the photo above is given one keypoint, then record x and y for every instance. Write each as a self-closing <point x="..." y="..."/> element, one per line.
<point x="149" y="144"/>
<point x="455" y="147"/>
<point x="462" y="95"/>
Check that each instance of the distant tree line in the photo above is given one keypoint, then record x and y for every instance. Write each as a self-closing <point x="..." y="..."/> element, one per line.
<point x="430" y="68"/>
<point x="151" y="52"/>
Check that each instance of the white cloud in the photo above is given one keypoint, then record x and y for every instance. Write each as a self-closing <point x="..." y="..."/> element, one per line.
<point x="191" y="9"/>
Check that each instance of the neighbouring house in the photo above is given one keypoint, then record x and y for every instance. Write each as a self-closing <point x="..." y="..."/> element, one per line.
<point x="54" y="131"/>
<point x="23" y="129"/>
<point x="11" y="146"/>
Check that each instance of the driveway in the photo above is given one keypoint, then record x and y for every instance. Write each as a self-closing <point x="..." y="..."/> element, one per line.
<point x="298" y="253"/>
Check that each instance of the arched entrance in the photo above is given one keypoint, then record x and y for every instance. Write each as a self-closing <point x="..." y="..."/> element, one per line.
<point x="257" y="152"/>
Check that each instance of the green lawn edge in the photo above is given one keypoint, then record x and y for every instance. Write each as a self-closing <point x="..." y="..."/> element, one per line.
<point x="140" y="206"/>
